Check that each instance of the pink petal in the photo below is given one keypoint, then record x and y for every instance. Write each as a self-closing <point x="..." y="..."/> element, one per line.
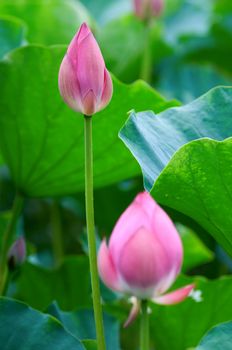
<point x="68" y="85"/>
<point x="148" y="8"/>
<point x="72" y="51"/>
<point x="145" y="213"/>
<point x="107" y="90"/>
<point x="174" y="297"/>
<point x="146" y="203"/>
<point x="89" y="103"/>
<point x="133" y="313"/>
<point x="145" y="221"/>
<point x="157" y="7"/>
<point x="90" y="66"/>
<point x="82" y="33"/>
<point x="138" y="8"/>
<point x="132" y="219"/>
<point x="168" y="237"/>
<point x="143" y="264"/>
<point x="106" y="267"/>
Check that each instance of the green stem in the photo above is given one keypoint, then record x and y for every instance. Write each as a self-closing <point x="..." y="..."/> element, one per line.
<point x="7" y="240"/>
<point x="144" y="327"/>
<point x="91" y="234"/>
<point x="146" y="68"/>
<point x="57" y="241"/>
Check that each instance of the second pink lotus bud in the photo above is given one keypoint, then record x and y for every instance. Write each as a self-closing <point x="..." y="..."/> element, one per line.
<point x="84" y="82"/>
<point x="144" y="255"/>
<point x="146" y="9"/>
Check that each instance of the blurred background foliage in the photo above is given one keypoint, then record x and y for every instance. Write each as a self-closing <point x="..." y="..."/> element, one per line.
<point x="191" y="51"/>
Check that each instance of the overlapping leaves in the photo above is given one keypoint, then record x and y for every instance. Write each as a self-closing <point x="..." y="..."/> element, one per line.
<point x="197" y="180"/>
<point x="32" y="329"/>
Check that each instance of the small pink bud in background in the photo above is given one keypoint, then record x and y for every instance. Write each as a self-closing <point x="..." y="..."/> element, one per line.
<point x="84" y="82"/>
<point x="145" y="9"/>
<point x="144" y="255"/>
<point x="17" y="253"/>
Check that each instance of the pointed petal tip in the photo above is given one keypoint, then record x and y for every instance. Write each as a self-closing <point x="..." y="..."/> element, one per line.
<point x="81" y="34"/>
<point x="84" y="26"/>
<point x="133" y="312"/>
<point x="146" y="201"/>
<point x="143" y="196"/>
<point x="176" y="296"/>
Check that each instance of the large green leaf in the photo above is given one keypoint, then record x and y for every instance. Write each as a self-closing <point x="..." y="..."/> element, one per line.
<point x="22" y="328"/>
<point x="197" y="180"/>
<point x="41" y="139"/>
<point x="12" y="34"/>
<point x="181" y="326"/>
<point x="217" y="338"/>
<point x="153" y="139"/>
<point x="197" y="183"/>
<point x="49" y="21"/>
<point x="69" y="284"/>
<point x="81" y="325"/>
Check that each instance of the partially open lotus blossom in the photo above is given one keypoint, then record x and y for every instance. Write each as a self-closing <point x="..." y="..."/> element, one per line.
<point x="17" y="253"/>
<point x="148" y="8"/>
<point x="84" y="82"/>
<point x="144" y="255"/>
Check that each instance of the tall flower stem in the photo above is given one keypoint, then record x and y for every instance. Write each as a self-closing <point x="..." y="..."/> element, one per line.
<point x="144" y="327"/>
<point x="91" y="234"/>
<point x="7" y="240"/>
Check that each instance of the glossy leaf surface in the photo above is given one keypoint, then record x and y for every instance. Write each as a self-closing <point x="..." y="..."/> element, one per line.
<point x="44" y="143"/>
<point x="32" y="329"/>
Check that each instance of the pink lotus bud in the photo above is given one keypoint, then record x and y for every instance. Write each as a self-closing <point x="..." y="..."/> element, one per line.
<point x="84" y="82"/>
<point x="145" y="9"/>
<point x="17" y="253"/>
<point x="144" y="255"/>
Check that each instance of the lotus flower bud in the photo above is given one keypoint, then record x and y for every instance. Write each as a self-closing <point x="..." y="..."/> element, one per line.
<point x="145" y="9"/>
<point x="144" y="255"/>
<point x="17" y="253"/>
<point x="84" y="82"/>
